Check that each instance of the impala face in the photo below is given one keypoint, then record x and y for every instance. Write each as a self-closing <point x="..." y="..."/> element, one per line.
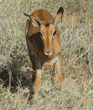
<point x="48" y="33"/>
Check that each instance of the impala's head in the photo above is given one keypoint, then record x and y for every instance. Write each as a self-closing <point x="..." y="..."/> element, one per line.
<point x="47" y="29"/>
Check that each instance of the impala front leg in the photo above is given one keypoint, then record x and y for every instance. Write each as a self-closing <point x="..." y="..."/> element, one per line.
<point x="37" y="82"/>
<point x="58" y="71"/>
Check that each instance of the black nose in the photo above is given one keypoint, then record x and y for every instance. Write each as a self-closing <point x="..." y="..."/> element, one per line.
<point x="47" y="52"/>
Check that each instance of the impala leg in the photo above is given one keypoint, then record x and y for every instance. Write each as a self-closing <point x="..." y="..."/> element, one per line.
<point x="37" y="82"/>
<point x="58" y="71"/>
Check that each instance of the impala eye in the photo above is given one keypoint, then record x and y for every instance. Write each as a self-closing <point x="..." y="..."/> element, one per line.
<point x="41" y="34"/>
<point x="54" y="33"/>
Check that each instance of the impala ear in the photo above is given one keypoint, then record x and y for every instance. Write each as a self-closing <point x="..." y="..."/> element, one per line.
<point x="58" y="17"/>
<point x="28" y="17"/>
<point x="32" y="20"/>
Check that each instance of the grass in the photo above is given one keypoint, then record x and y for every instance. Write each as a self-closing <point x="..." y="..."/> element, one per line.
<point x="76" y="35"/>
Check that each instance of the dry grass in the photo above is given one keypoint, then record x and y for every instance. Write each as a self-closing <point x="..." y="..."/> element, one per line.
<point x="77" y="57"/>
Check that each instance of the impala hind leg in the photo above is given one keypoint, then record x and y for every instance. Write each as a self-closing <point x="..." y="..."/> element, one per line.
<point x="58" y="71"/>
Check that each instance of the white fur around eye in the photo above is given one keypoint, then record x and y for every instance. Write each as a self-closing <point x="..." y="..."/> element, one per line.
<point x="54" y="32"/>
<point x="41" y="34"/>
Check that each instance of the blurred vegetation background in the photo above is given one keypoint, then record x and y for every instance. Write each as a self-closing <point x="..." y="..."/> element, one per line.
<point x="76" y="35"/>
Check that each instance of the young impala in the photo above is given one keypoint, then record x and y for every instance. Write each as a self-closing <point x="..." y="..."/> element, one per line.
<point x="43" y="42"/>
